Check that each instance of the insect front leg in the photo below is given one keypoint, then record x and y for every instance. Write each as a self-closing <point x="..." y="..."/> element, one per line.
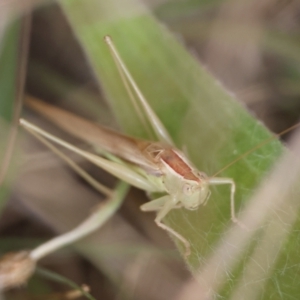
<point x="229" y="181"/>
<point x="164" y="205"/>
<point x="155" y="205"/>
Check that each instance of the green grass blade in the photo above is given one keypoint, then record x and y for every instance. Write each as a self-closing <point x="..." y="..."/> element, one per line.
<point x="8" y="63"/>
<point x="12" y="66"/>
<point x="58" y="278"/>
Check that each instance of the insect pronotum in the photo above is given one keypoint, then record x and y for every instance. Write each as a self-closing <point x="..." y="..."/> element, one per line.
<point x="154" y="166"/>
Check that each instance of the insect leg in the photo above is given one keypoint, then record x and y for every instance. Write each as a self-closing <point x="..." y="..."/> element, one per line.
<point x="95" y="220"/>
<point x="160" y="131"/>
<point x="229" y="181"/>
<point x="155" y="205"/>
<point x="170" y="204"/>
<point x="93" y="182"/>
<point x="120" y="171"/>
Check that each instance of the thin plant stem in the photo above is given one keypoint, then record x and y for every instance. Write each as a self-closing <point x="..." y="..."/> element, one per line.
<point x="93" y="222"/>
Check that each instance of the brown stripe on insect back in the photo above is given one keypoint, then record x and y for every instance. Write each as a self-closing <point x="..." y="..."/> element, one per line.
<point x="170" y="157"/>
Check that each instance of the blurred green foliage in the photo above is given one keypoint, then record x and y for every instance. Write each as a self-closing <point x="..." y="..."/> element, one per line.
<point x="9" y="62"/>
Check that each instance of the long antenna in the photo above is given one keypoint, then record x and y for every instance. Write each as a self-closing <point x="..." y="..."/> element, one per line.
<point x="275" y="136"/>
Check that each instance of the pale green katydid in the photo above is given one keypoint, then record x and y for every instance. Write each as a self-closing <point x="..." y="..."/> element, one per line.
<point x="151" y="166"/>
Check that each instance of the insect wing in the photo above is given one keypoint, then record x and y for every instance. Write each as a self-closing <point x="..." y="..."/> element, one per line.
<point x="125" y="147"/>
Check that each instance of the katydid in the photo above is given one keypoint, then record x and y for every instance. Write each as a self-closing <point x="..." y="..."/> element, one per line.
<point x="154" y="166"/>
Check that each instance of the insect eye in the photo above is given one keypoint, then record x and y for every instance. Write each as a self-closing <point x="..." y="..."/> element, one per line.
<point x="187" y="189"/>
